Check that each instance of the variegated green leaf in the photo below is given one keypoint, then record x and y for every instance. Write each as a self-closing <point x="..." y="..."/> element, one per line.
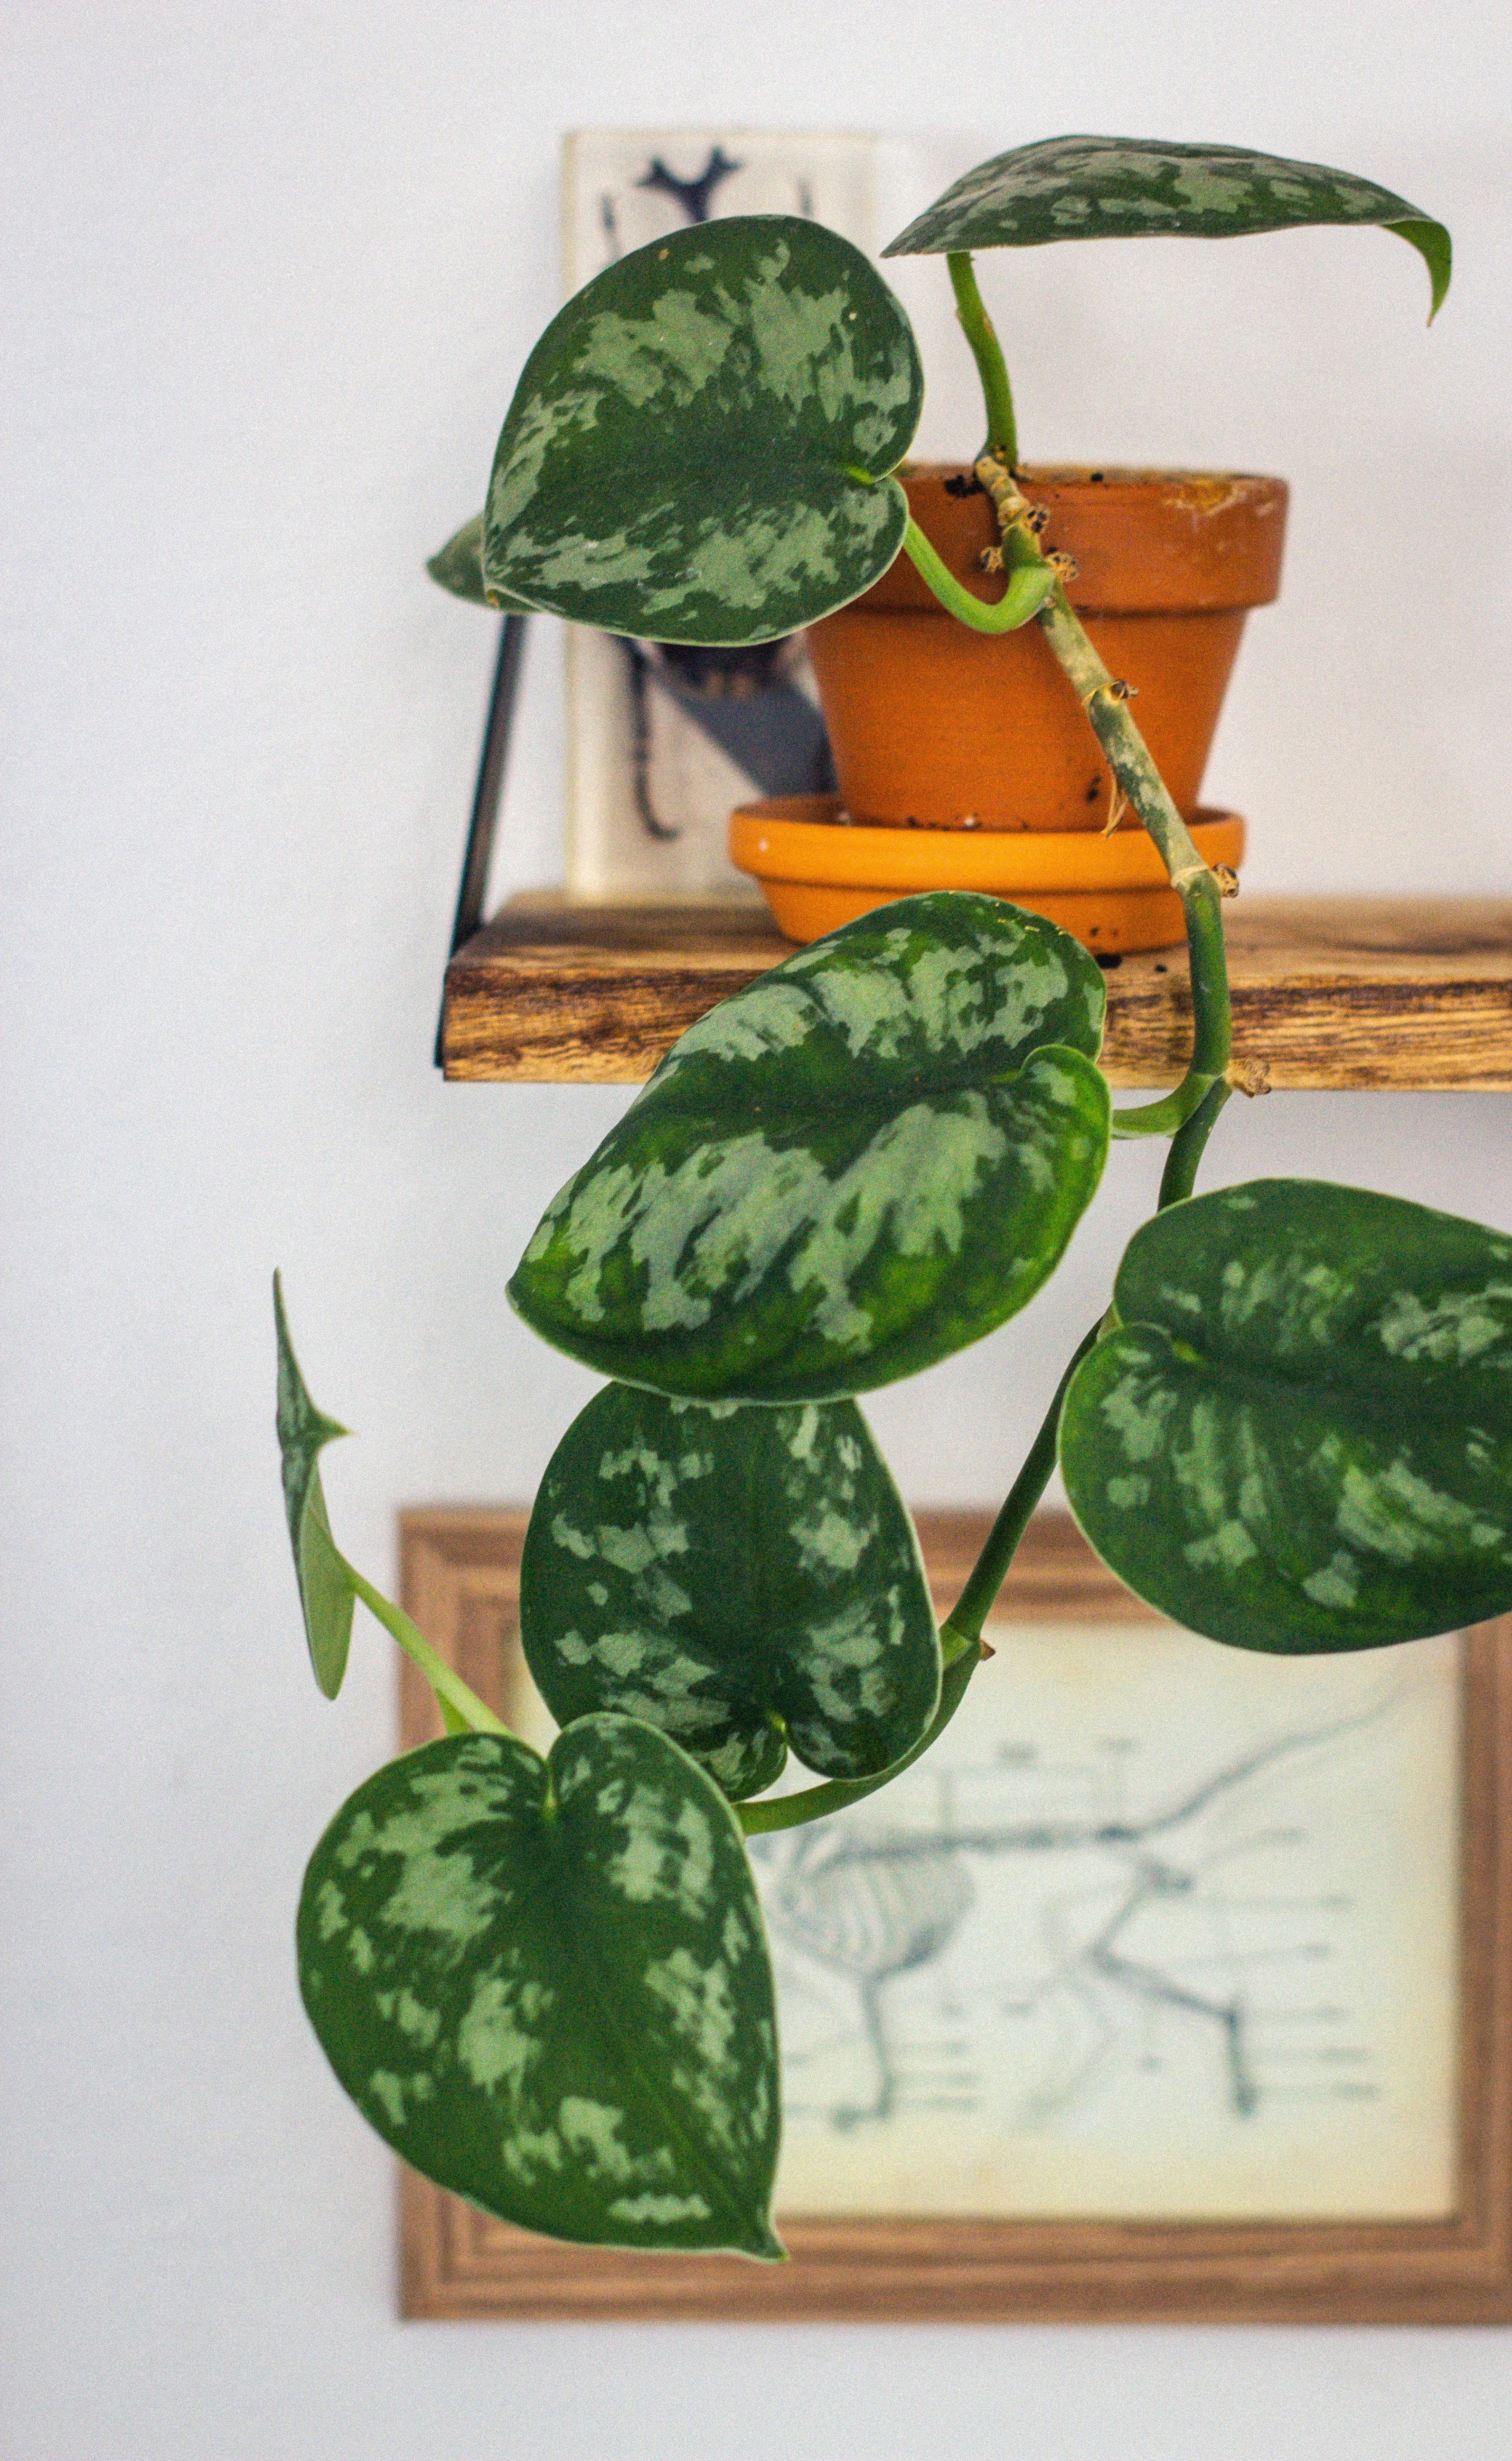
<point x="325" y="1588"/>
<point x="1132" y="188"/>
<point x="693" y="450"/>
<point x="869" y="1158"/>
<point x="545" y="1984"/>
<point x="1301" y="1439"/>
<point x="742" y="1578"/>
<point x="459" y="567"/>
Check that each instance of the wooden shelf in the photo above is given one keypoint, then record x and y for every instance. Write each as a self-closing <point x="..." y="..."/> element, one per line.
<point x="1403" y="993"/>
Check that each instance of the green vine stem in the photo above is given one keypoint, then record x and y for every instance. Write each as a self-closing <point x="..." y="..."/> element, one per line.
<point x="1180" y="1175"/>
<point x="1002" y="432"/>
<point x="817" y="1802"/>
<point x="1105" y="702"/>
<point x="975" y="1602"/>
<point x="461" y="1709"/>
<point x="990" y="1570"/>
<point x="1200" y="889"/>
<point x="1029" y="586"/>
<point x="1037" y="588"/>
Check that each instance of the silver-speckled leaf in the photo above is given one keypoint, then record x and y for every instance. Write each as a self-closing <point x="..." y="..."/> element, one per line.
<point x="545" y="1984"/>
<point x="1301" y="1439"/>
<point x="324" y="1589"/>
<point x="691" y="453"/>
<point x="1130" y="187"/>
<point x="742" y="1578"/>
<point x="869" y="1158"/>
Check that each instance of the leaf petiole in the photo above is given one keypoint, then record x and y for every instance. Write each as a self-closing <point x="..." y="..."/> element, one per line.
<point x="1029" y="586"/>
<point x="461" y="1709"/>
<point x="817" y="1802"/>
<point x="1180" y="1175"/>
<point x="1002" y="432"/>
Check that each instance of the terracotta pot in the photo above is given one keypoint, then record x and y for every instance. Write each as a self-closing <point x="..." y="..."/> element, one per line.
<point x="934" y="726"/>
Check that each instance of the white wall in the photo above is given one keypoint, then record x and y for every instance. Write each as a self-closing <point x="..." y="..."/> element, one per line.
<point x="273" y="269"/>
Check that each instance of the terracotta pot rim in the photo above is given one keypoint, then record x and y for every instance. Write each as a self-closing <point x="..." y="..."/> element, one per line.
<point x="1141" y="542"/>
<point x="1104" y="478"/>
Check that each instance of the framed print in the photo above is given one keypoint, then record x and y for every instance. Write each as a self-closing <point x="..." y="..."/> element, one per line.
<point x="662" y="743"/>
<point x="1174" y="1981"/>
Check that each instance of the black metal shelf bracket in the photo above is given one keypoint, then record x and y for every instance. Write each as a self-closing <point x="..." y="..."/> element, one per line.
<point x="473" y="884"/>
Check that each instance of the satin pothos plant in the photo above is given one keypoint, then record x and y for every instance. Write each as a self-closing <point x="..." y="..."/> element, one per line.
<point x="544" y="1980"/>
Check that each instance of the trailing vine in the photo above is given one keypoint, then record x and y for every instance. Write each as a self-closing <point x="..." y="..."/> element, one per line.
<point x="544" y="1980"/>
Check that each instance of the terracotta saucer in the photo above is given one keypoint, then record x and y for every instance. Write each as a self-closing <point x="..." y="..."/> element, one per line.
<point x="817" y="870"/>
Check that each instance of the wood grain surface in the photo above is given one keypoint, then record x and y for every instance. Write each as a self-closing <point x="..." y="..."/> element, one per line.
<point x="1369" y="994"/>
<point x="460" y="1578"/>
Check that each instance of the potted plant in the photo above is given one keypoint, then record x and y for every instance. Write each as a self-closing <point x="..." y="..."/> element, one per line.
<point x="545" y="1980"/>
<point x="961" y="728"/>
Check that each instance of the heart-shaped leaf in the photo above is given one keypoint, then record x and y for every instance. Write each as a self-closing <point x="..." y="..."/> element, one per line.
<point x="869" y="1158"/>
<point x="325" y="1585"/>
<point x="740" y="1577"/>
<point x="691" y="453"/>
<point x="545" y="1984"/>
<point x="459" y="567"/>
<point x="1301" y="1439"/>
<point x="1133" y="187"/>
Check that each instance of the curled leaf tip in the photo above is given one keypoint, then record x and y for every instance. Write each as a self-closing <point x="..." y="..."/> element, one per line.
<point x="459" y="567"/>
<point x="1435" y="247"/>
<point x="324" y="1582"/>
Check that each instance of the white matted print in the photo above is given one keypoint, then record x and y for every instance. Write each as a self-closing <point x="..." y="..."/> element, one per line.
<point x="662" y="746"/>
<point x="1157" y="1930"/>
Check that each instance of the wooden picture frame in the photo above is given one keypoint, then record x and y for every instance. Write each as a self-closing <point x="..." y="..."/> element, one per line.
<point x="459" y="1582"/>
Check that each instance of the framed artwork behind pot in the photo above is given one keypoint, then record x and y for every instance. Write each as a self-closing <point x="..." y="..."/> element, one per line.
<point x="1175" y="1982"/>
